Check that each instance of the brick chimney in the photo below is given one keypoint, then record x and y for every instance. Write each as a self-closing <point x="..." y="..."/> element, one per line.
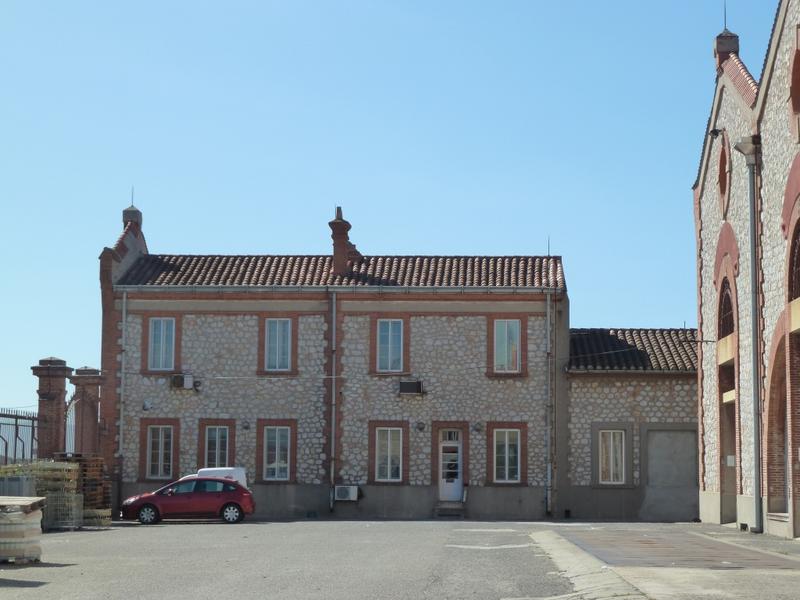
<point x="725" y="44"/>
<point x="87" y="383"/>
<point x="52" y="373"/>
<point x="343" y="248"/>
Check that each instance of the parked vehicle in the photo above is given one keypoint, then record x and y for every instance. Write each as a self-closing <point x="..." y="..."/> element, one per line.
<point x="237" y="473"/>
<point x="190" y="498"/>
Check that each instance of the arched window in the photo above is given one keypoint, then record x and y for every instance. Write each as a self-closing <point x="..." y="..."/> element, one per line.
<point x="726" y="323"/>
<point x="794" y="266"/>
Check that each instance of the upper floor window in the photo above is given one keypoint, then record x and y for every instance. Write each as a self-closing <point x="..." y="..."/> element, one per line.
<point x="507" y="346"/>
<point x="390" y="345"/>
<point x="726" y="320"/>
<point x="161" y="351"/>
<point x="279" y="345"/>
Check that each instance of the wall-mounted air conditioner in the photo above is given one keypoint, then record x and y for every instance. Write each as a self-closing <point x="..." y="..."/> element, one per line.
<point x="411" y="387"/>
<point x="346" y="493"/>
<point x="183" y="381"/>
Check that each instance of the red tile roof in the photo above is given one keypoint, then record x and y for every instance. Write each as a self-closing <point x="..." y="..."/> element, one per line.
<point x="667" y="350"/>
<point x="741" y="78"/>
<point x="415" y="271"/>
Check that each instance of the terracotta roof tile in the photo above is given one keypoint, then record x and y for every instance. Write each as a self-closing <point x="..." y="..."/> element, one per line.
<point x="741" y="78"/>
<point x="418" y="271"/>
<point x="669" y="350"/>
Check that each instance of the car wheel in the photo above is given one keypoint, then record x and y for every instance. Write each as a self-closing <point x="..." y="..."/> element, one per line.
<point x="231" y="513"/>
<point x="148" y="515"/>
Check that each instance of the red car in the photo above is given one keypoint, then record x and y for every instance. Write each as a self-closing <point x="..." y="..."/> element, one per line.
<point x="195" y="497"/>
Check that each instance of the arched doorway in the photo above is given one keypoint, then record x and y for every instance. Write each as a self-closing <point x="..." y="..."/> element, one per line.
<point x="777" y="448"/>
<point x="727" y="379"/>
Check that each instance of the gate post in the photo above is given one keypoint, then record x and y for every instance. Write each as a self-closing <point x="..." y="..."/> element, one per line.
<point x="87" y="382"/>
<point x="52" y="373"/>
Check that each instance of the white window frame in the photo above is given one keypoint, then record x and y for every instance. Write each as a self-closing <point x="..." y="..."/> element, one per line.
<point x="388" y="458"/>
<point x="276" y="476"/>
<point x="218" y="453"/>
<point x="505" y="432"/>
<point x="387" y="368"/>
<point x="287" y="341"/>
<point x="504" y="322"/>
<point x="160" y="363"/>
<point x="611" y="457"/>
<point x="159" y="472"/>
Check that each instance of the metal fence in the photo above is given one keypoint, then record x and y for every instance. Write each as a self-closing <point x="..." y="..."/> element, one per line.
<point x="18" y="436"/>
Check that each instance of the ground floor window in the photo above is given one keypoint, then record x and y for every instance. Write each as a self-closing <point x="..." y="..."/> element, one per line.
<point x="277" y="453"/>
<point x="611" y="455"/>
<point x="388" y="454"/>
<point x="159" y="451"/>
<point x="506" y="455"/>
<point x="216" y="445"/>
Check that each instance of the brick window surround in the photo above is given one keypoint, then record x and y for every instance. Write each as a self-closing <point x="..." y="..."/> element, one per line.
<point x="144" y="423"/>
<point x="436" y="428"/>
<point x="373" y="343"/>
<point x="262" y="344"/>
<point x="373" y="450"/>
<point x="523" y="345"/>
<point x="260" y="425"/>
<point x="145" y="351"/>
<point x="523" y="452"/>
<point x="202" y="425"/>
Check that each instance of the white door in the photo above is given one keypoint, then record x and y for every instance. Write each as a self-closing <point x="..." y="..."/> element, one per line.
<point x="451" y="480"/>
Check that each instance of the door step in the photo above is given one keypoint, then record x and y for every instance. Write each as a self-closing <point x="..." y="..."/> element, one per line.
<point x="451" y="510"/>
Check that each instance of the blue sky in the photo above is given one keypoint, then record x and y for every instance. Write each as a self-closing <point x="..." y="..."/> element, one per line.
<point x="441" y="128"/>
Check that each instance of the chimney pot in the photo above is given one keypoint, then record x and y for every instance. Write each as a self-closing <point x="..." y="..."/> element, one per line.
<point x="725" y="44"/>
<point x="132" y="214"/>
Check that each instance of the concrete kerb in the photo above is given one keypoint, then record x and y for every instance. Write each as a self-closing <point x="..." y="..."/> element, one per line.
<point x="591" y="578"/>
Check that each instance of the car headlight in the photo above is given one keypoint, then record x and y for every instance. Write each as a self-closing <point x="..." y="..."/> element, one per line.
<point x="128" y="501"/>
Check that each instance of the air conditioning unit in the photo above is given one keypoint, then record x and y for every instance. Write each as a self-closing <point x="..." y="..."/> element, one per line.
<point x="183" y="381"/>
<point x="411" y="387"/>
<point x="347" y="493"/>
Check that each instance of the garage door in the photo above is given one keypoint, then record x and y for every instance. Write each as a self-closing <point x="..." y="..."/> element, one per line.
<point x="671" y="492"/>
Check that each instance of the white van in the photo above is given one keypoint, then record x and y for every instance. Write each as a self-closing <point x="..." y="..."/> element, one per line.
<point x="236" y="473"/>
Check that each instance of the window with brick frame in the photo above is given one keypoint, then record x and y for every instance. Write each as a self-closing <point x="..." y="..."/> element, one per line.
<point x="506" y="453"/>
<point x="160" y="442"/>
<point x="161" y="344"/>
<point x="216" y="443"/>
<point x="390" y="345"/>
<point x="159" y="448"/>
<point x="507" y="346"/>
<point x="388" y="452"/>
<point x="278" y="340"/>
<point x="276" y="450"/>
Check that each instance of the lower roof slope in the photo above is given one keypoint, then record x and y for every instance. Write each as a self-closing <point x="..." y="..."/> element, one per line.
<point x="413" y="271"/>
<point x="654" y="350"/>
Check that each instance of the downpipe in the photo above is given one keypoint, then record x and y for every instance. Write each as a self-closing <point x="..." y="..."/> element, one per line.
<point x="548" y="494"/>
<point x="749" y="147"/>
<point x="333" y="402"/>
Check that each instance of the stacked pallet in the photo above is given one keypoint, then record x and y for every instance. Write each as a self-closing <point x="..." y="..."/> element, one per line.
<point x="20" y="528"/>
<point x="93" y="485"/>
<point x="58" y="483"/>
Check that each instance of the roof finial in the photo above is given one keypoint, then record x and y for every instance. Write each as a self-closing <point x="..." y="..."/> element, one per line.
<point x="725" y="14"/>
<point x="132" y="191"/>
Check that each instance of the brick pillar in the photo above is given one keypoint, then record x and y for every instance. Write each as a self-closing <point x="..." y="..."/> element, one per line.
<point x="52" y="374"/>
<point x="87" y="383"/>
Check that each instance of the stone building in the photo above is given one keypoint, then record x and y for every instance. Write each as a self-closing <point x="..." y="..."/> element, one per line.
<point x="748" y="280"/>
<point x="423" y="382"/>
